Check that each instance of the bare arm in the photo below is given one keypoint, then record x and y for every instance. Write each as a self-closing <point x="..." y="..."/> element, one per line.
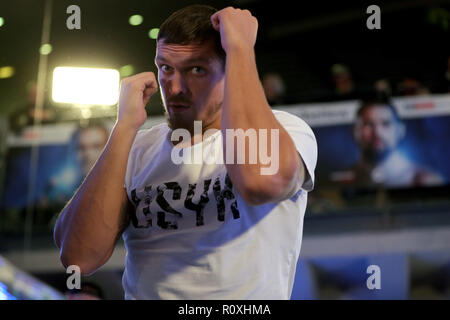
<point x="90" y="224"/>
<point x="245" y="106"/>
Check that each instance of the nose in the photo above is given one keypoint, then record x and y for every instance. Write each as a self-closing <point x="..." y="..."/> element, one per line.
<point x="177" y="85"/>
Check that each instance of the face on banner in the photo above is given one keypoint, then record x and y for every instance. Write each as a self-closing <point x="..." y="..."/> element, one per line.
<point x="90" y="144"/>
<point x="378" y="133"/>
<point x="394" y="146"/>
<point x="66" y="155"/>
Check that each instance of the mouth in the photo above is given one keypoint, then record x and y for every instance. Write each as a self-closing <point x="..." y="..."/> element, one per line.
<point x="178" y="107"/>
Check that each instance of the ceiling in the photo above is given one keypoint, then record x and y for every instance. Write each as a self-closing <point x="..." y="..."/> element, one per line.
<point x="300" y="41"/>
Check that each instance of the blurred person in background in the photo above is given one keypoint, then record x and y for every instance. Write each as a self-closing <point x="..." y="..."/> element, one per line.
<point x="27" y="115"/>
<point x="90" y="143"/>
<point x="378" y="131"/>
<point x="342" y="79"/>
<point x="410" y="86"/>
<point x="63" y="176"/>
<point x="383" y="88"/>
<point x="345" y="88"/>
<point x="274" y="88"/>
<point x="87" y="142"/>
<point x="443" y="85"/>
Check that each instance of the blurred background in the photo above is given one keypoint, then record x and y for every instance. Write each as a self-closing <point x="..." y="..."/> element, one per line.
<point x="378" y="102"/>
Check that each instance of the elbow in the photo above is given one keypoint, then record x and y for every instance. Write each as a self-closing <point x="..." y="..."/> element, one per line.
<point x="80" y="258"/>
<point x="267" y="190"/>
<point x="58" y="229"/>
<point x="57" y="235"/>
<point x="258" y="189"/>
<point x="69" y="254"/>
<point x="74" y="263"/>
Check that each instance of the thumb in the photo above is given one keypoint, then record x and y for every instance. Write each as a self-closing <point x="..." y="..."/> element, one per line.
<point x="148" y="93"/>
<point x="215" y="20"/>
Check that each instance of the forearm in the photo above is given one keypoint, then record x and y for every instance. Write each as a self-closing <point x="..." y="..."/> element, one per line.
<point x="246" y="107"/>
<point x="87" y="229"/>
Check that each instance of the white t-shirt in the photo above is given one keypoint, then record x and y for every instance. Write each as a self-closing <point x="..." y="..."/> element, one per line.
<point x="193" y="236"/>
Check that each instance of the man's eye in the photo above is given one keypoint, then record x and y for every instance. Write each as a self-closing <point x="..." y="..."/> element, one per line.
<point x="198" y="70"/>
<point x="165" y="68"/>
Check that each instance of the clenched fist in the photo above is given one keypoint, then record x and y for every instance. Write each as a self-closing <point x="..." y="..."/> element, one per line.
<point x="135" y="92"/>
<point x="238" y="28"/>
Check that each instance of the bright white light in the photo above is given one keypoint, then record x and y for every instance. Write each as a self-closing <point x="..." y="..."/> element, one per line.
<point x="85" y="85"/>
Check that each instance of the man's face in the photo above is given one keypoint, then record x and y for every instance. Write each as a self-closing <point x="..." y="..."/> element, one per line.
<point x="91" y="142"/>
<point x="191" y="78"/>
<point x="377" y="132"/>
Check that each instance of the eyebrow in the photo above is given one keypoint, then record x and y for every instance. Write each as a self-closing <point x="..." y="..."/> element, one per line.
<point x="189" y="61"/>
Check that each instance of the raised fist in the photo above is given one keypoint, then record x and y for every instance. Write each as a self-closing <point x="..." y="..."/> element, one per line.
<point x="238" y="28"/>
<point x="135" y="92"/>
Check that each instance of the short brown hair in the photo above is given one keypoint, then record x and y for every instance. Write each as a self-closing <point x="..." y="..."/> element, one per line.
<point x="191" y="25"/>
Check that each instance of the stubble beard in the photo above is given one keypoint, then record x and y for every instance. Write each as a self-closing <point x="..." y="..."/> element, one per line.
<point x="179" y="121"/>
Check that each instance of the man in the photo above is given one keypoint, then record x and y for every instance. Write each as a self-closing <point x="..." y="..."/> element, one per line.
<point x="378" y="132"/>
<point x="343" y="81"/>
<point x="90" y="143"/>
<point x="27" y="115"/>
<point x="345" y="87"/>
<point x="196" y="231"/>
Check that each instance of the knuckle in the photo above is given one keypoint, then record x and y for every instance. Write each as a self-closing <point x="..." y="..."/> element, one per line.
<point x="132" y="82"/>
<point x="133" y="85"/>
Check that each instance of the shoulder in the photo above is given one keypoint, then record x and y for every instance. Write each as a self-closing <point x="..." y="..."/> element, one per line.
<point x="148" y="137"/>
<point x="146" y="145"/>
<point x="291" y="121"/>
